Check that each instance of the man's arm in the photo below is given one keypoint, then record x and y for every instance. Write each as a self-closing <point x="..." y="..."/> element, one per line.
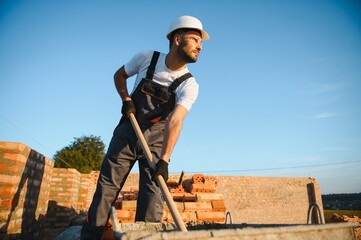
<point x="120" y="81"/>
<point x="172" y="130"/>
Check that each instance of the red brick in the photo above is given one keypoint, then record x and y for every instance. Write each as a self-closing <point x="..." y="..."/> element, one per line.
<point x="185" y="217"/>
<point x="208" y="197"/>
<point x="197" y="206"/>
<point x="15" y="157"/>
<point x="6" y="203"/>
<point x="184" y="197"/>
<point x="172" y="184"/>
<point x="178" y="197"/>
<point x="179" y="205"/>
<point x="7" y="191"/>
<point x="134" y="189"/>
<point x="196" y="187"/>
<point x="13" y="146"/>
<point x="130" y="196"/>
<point x="7" y="179"/>
<point x="210" y="180"/>
<point x="210" y="216"/>
<point x="129" y="205"/>
<point x="189" y="197"/>
<point x="200" y="187"/>
<point x="209" y="188"/>
<point x="125" y="214"/>
<point x="178" y="189"/>
<point x="218" y="206"/>
<point x="3" y="167"/>
<point x="198" y="178"/>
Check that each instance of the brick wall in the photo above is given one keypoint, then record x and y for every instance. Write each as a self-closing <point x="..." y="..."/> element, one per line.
<point x="24" y="191"/>
<point x="87" y="189"/>
<point x="268" y="200"/>
<point x="64" y="194"/>
<point x="261" y="200"/>
<point x="35" y="195"/>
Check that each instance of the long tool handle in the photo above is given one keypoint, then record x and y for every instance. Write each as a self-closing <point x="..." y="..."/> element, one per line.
<point x="161" y="183"/>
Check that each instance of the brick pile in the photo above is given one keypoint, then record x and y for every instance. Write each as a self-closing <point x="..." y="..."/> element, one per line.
<point x="196" y="200"/>
<point x="337" y="218"/>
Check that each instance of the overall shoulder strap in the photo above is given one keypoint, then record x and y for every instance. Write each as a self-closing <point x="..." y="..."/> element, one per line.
<point x="153" y="63"/>
<point x="175" y="84"/>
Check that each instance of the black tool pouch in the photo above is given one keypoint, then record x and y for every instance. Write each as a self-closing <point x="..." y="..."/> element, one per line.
<point x="155" y="90"/>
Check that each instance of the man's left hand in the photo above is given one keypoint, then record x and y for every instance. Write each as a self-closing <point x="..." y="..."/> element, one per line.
<point x="161" y="169"/>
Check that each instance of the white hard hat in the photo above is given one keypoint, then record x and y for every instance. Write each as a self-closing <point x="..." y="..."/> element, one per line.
<point x="187" y="22"/>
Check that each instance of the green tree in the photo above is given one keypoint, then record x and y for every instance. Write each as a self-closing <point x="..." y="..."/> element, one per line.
<point x="84" y="154"/>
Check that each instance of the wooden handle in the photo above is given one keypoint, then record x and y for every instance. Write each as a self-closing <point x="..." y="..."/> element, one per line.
<point x="160" y="181"/>
<point x="141" y="138"/>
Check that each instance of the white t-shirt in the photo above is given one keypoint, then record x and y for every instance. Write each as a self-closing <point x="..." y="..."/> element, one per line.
<point x="186" y="93"/>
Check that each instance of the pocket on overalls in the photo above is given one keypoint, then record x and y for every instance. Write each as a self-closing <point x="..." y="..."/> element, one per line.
<point x="156" y="90"/>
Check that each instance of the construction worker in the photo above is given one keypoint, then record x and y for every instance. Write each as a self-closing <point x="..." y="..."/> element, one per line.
<point x="163" y="94"/>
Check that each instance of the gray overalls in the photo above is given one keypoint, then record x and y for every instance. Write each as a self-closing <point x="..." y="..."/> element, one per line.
<point x="153" y="103"/>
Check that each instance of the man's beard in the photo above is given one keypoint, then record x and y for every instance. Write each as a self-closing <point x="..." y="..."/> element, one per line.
<point x="187" y="57"/>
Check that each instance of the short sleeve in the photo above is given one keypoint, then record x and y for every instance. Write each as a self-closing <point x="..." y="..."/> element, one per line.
<point x="137" y="63"/>
<point x="187" y="93"/>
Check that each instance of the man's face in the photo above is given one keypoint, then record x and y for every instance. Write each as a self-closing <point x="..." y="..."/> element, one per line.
<point x="190" y="46"/>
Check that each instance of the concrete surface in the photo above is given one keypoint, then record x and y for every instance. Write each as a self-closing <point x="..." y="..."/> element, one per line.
<point x="146" y="231"/>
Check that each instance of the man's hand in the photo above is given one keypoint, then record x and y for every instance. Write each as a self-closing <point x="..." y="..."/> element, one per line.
<point x="161" y="169"/>
<point x="128" y="108"/>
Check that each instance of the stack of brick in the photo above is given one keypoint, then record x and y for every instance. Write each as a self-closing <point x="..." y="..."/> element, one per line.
<point x="196" y="200"/>
<point x="24" y="193"/>
<point x="126" y="205"/>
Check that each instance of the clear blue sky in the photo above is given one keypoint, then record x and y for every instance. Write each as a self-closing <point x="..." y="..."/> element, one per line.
<point x="280" y="81"/>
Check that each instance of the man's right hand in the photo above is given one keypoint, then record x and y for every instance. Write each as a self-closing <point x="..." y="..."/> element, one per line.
<point x="128" y="108"/>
